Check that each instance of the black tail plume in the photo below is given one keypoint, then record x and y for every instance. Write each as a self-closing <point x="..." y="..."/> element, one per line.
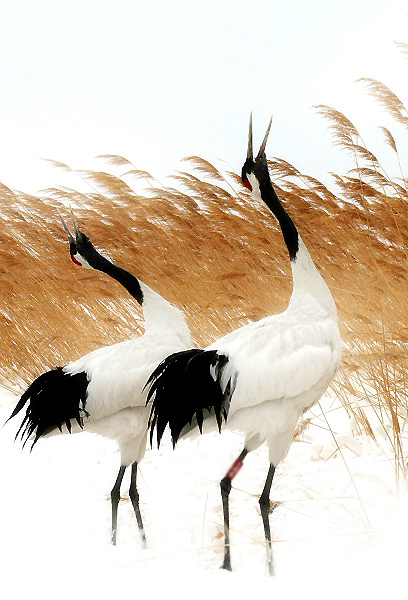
<point x="54" y="398"/>
<point x="183" y="386"/>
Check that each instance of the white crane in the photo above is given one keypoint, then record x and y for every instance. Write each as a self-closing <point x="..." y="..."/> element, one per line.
<point x="103" y="392"/>
<point x="263" y="376"/>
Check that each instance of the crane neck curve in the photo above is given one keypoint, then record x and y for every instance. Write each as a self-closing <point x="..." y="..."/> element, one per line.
<point x="162" y="318"/>
<point x="126" y="279"/>
<point x="263" y="190"/>
<point x="309" y="287"/>
<point x="308" y="284"/>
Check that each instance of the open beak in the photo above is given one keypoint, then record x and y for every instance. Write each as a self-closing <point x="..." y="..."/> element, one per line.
<point x="67" y="231"/>
<point x="263" y="145"/>
<point x="250" y="153"/>
<point x="71" y="239"/>
<point x="77" y="232"/>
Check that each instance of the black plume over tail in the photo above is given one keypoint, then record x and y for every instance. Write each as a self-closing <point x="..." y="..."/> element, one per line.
<point x="185" y="384"/>
<point x="54" y="398"/>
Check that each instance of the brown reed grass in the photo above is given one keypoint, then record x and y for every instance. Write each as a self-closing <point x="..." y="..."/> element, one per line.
<point x="204" y="246"/>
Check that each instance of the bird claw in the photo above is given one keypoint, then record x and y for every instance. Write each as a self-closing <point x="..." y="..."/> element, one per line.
<point x="226" y="565"/>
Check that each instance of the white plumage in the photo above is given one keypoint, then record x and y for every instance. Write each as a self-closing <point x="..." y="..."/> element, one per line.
<point x="117" y="374"/>
<point x="103" y="392"/>
<point x="277" y="367"/>
<point x="283" y="364"/>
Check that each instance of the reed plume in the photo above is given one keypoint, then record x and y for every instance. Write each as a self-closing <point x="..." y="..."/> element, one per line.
<point x="200" y="242"/>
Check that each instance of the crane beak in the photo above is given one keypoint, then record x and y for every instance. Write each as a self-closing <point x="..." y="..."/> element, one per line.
<point x="77" y="232"/>
<point x="67" y="231"/>
<point x="250" y="153"/>
<point x="71" y="239"/>
<point x="263" y="145"/>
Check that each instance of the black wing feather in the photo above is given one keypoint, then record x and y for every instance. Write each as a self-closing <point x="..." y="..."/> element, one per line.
<point x="183" y="386"/>
<point x="54" y="398"/>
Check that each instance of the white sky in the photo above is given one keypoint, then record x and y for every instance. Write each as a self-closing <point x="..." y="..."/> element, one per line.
<point x="156" y="81"/>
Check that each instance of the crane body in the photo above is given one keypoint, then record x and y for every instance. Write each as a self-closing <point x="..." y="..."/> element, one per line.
<point x="264" y="375"/>
<point x="103" y="391"/>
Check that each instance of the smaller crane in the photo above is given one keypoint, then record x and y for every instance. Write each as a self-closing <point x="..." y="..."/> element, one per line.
<point x="103" y="392"/>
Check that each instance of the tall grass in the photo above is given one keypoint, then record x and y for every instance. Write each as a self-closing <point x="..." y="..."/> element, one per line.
<point x="200" y="242"/>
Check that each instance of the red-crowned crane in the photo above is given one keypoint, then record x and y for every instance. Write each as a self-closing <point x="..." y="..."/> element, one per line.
<point x="103" y="392"/>
<point x="263" y="376"/>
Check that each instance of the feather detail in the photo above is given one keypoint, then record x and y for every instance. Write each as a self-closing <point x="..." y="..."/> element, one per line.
<point x="177" y="399"/>
<point x="54" y="399"/>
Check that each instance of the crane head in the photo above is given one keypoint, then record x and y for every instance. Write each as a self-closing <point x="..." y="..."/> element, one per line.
<point x="255" y="167"/>
<point x="80" y="247"/>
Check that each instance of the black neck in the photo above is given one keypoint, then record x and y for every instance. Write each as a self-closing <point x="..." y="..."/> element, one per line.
<point x="269" y="196"/>
<point x="123" y="277"/>
<point x="100" y="263"/>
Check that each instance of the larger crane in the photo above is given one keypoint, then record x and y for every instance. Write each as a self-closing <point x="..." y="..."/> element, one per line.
<point x="262" y="376"/>
<point x="102" y="392"/>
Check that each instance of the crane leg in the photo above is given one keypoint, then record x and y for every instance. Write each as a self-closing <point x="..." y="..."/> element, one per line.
<point x="265" y="506"/>
<point x="134" y="497"/>
<point x="115" y="497"/>
<point x="225" y="485"/>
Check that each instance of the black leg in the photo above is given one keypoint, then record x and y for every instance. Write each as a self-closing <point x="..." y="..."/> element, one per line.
<point x="265" y="505"/>
<point x="225" y="485"/>
<point x="115" y="497"/>
<point x="225" y="491"/>
<point x="134" y="496"/>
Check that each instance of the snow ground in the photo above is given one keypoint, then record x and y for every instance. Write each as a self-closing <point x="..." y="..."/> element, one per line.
<point x="338" y="530"/>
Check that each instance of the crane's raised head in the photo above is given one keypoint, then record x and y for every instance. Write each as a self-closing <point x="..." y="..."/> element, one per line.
<point x="257" y="167"/>
<point x="80" y="246"/>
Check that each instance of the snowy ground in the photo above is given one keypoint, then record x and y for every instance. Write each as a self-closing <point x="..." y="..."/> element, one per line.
<point x="338" y="530"/>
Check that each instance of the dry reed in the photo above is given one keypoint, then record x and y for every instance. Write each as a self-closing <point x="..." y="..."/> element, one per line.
<point x="204" y="246"/>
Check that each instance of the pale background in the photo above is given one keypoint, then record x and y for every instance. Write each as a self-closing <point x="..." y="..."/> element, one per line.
<point x="157" y="81"/>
